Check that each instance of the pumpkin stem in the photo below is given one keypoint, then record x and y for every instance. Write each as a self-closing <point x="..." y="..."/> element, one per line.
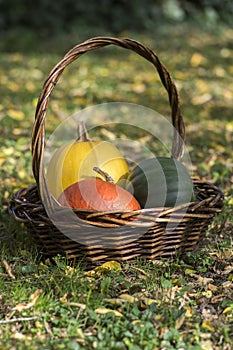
<point x="105" y="175"/>
<point x="82" y="132"/>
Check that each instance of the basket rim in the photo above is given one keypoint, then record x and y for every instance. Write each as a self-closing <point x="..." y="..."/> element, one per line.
<point x="27" y="200"/>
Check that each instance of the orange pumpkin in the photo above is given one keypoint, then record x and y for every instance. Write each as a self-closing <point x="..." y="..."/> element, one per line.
<point x="96" y="194"/>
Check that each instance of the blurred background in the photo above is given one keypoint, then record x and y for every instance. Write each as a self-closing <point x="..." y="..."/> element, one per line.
<point x="25" y="24"/>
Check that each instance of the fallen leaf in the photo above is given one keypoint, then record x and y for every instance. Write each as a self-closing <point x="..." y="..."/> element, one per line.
<point x="8" y="269"/>
<point x="13" y="86"/>
<point x="129" y="298"/>
<point x="136" y="321"/>
<point x="106" y="267"/>
<point x="139" y="87"/>
<point x="102" y="311"/>
<point x="227" y="284"/>
<point x="206" y="345"/>
<point x="19" y="336"/>
<point x="197" y="59"/>
<point x="227" y="309"/>
<point x="208" y="294"/>
<point x="140" y="270"/>
<point x="22" y="174"/>
<point x="212" y="287"/>
<point x="201" y="99"/>
<point x="177" y="282"/>
<point x="217" y="298"/>
<point x="63" y="299"/>
<point x="111" y="266"/>
<point x="15" y="114"/>
<point x="23" y="306"/>
<point x="227" y="254"/>
<point x="149" y="301"/>
<point x="38" y="324"/>
<point x="204" y="280"/>
<point x="189" y="311"/>
<point x="180" y="321"/>
<point x="207" y="325"/>
<point x="219" y="71"/>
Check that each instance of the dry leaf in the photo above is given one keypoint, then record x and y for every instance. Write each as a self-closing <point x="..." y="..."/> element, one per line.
<point x="227" y="284"/>
<point x="228" y="254"/>
<point x="197" y="59"/>
<point x="149" y="301"/>
<point x="227" y="309"/>
<point x="217" y="298"/>
<point x="80" y="305"/>
<point x="102" y="311"/>
<point x="115" y="301"/>
<point x="212" y="287"/>
<point x="23" y="306"/>
<point x="208" y="294"/>
<point x="189" y="311"/>
<point x="15" y="114"/>
<point x="206" y="345"/>
<point x="139" y="87"/>
<point x="129" y="298"/>
<point x="19" y="336"/>
<point x="38" y="324"/>
<point x="207" y="325"/>
<point x="108" y="266"/>
<point x="136" y="321"/>
<point x="204" y="280"/>
<point x="180" y="321"/>
<point x="228" y="268"/>
<point x="8" y="269"/>
<point x="201" y="99"/>
<point x="63" y="299"/>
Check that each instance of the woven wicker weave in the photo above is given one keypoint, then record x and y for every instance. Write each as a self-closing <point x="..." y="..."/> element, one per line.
<point x="165" y="230"/>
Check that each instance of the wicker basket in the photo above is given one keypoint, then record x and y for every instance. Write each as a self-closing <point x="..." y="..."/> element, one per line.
<point x="165" y="231"/>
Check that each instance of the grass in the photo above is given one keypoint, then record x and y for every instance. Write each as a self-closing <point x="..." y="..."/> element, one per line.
<point x="184" y="303"/>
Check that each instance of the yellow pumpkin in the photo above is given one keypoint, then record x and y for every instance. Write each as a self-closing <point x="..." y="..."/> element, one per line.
<point x="75" y="161"/>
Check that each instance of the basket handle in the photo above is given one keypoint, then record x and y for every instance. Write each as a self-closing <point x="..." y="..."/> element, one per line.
<point x="38" y="133"/>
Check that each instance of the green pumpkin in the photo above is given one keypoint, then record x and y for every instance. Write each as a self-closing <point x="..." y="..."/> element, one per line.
<point x="160" y="182"/>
